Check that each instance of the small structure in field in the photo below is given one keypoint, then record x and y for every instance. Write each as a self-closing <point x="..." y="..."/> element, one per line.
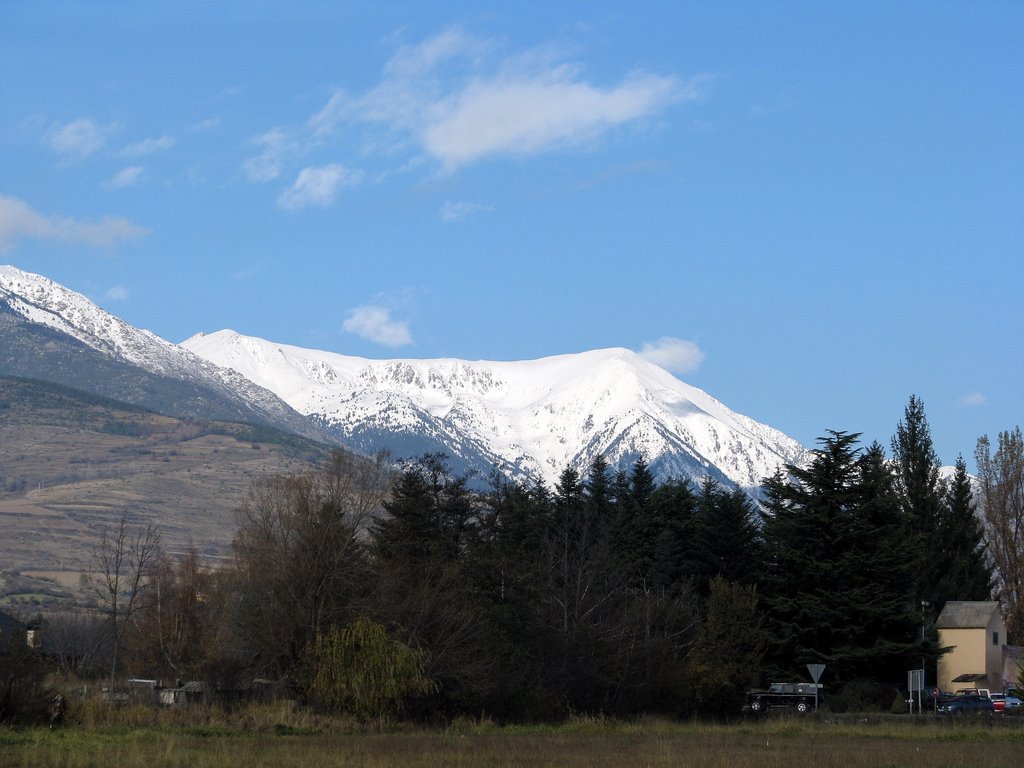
<point x="184" y="694"/>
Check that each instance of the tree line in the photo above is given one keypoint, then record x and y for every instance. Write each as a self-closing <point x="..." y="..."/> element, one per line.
<point x="415" y="595"/>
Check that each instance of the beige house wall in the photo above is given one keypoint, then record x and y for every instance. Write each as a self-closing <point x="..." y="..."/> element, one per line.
<point x="974" y="652"/>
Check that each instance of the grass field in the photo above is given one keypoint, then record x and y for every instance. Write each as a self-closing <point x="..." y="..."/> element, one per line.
<point x="765" y="744"/>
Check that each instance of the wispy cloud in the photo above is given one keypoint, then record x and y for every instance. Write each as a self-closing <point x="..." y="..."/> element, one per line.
<point x="148" y="147"/>
<point x="458" y="99"/>
<point x="317" y="186"/>
<point x="18" y="221"/>
<point x="205" y="125"/>
<point x="116" y="293"/>
<point x="456" y="210"/>
<point x="676" y="355"/>
<point x="126" y="177"/>
<point x="267" y="165"/>
<point x="374" y="323"/>
<point x="78" y="138"/>
<point x="972" y="400"/>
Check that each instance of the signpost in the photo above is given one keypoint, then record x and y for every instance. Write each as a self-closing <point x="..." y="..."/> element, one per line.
<point x="816" y="670"/>
<point x="915" y="682"/>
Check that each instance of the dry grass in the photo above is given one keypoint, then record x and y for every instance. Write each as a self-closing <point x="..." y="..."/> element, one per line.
<point x="66" y="471"/>
<point x="279" y="736"/>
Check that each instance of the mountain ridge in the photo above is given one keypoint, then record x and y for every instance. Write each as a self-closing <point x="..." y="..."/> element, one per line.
<point x="535" y="417"/>
<point x="55" y="334"/>
<point x="528" y="419"/>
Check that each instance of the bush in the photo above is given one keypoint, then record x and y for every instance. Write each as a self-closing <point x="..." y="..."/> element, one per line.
<point x="23" y="695"/>
<point x="899" y="706"/>
<point x="862" y="696"/>
<point x="362" y="670"/>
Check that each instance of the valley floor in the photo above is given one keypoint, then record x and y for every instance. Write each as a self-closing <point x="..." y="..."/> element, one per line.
<point x="764" y="744"/>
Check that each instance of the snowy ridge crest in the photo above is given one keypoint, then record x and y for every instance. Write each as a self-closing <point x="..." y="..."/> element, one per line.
<point x="531" y="418"/>
<point x="42" y="301"/>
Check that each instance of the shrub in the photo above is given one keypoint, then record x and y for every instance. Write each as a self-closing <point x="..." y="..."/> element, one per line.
<point x="899" y="704"/>
<point x="362" y="670"/>
<point x="23" y="695"/>
<point x="862" y="696"/>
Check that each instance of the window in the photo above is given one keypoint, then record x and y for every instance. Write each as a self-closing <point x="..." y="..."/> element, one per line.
<point x="995" y="638"/>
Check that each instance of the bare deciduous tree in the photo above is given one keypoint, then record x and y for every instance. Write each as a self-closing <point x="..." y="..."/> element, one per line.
<point x="120" y="563"/>
<point x="1001" y="492"/>
<point x="175" y="618"/>
<point x="299" y="557"/>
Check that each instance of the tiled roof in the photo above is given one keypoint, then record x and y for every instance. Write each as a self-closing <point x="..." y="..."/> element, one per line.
<point x="962" y="614"/>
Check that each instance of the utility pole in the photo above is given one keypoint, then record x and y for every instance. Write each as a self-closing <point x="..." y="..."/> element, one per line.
<point x="920" y="693"/>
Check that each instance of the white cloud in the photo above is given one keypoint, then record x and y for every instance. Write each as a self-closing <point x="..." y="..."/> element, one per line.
<point x="148" y="146"/>
<point x="116" y="293"/>
<point x="529" y="114"/>
<point x="456" y="210"/>
<point x="676" y="355"/>
<point x="972" y="400"/>
<point x="409" y="84"/>
<point x="458" y="102"/>
<point x="375" y="324"/>
<point x="126" y="177"/>
<point x="317" y="186"/>
<point x="267" y="165"/>
<point x="79" y="138"/>
<point x="18" y="220"/>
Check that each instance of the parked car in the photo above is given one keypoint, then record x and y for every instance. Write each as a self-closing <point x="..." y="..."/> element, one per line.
<point x="1004" y="701"/>
<point x="963" y="704"/>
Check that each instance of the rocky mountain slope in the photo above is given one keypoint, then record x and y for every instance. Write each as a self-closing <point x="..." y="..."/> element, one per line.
<point x="54" y="334"/>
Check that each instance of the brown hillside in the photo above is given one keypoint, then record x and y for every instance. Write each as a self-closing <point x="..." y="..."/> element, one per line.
<point x="72" y="463"/>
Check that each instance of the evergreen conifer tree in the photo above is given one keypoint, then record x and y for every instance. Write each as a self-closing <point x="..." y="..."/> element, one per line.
<point x="831" y="558"/>
<point x="920" y="490"/>
<point x="968" y="575"/>
<point x="672" y="509"/>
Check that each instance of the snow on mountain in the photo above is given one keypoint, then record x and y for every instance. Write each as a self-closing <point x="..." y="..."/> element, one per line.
<point x="44" y="302"/>
<point x="530" y="418"/>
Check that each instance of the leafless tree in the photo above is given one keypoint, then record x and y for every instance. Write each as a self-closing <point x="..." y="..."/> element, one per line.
<point x="78" y="642"/>
<point x="1001" y="491"/>
<point x="299" y="556"/>
<point x="175" y="617"/>
<point x="120" y="563"/>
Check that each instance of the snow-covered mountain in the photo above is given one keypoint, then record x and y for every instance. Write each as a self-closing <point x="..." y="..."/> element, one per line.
<point x="531" y="418"/>
<point x="176" y="377"/>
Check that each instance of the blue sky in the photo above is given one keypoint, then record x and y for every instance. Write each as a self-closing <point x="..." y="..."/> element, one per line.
<point x="810" y="210"/>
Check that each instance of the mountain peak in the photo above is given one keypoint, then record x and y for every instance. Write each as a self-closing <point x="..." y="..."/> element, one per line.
<point x="531" y="417"/>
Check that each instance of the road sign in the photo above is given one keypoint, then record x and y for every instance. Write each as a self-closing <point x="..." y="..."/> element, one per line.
<point x="816" y="670"/>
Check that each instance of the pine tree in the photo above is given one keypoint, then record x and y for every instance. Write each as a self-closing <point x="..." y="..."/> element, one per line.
<point x="672" y="508"/>
<point x="833" y="563"/>
<point x="427" y="514"/>
<point x="920" y="491"/>
<point x="968" y="575"/>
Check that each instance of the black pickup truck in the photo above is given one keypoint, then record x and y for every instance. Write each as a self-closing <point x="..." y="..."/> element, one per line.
<point x="798" y="696"/>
